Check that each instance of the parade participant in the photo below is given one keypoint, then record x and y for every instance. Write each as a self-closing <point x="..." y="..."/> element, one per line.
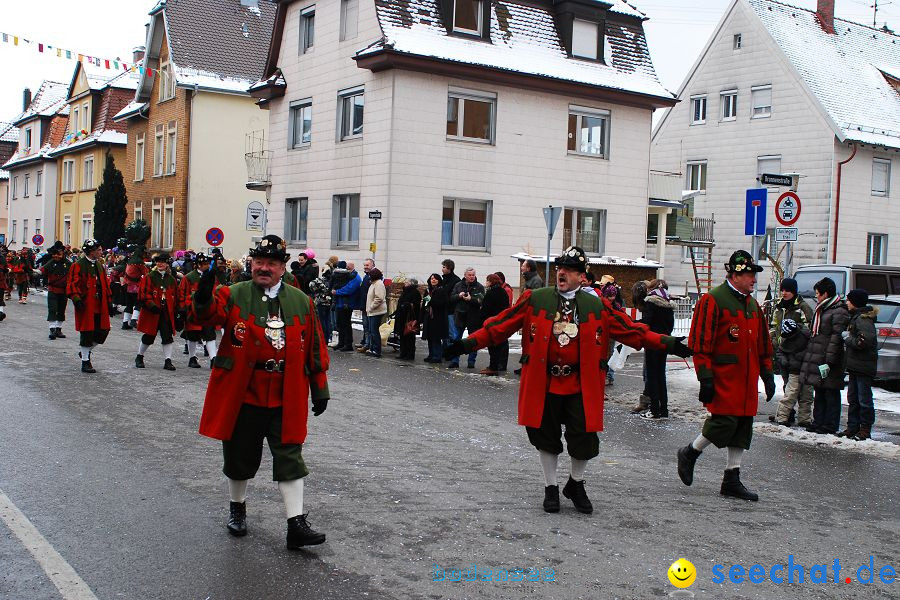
<point x="4" y="285"/>
<point x="272" y="358"/>
<point x="158" y="298"/>
<point x="193" y="332"/>
<point x="732" y="349"/>
<point x="56" y="271"/>
<point x="21" y="270"/>
<point x="88" y="289"/>
<point x="135" y="270"/>
<point x="565" y="346"/>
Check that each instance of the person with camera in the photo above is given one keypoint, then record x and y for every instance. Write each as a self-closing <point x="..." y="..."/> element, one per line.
<point x="158" y="298"/>
<point x="465" y="308"/>
<point x="732" y="350"/>
<point x="88" y="288"/>
<point x="565" y="346"/>
<point x="273" y="359"/>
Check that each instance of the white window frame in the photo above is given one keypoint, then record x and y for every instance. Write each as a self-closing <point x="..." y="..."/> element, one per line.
<point x="349" y="19"/>
<point x="760" y="111"/>
<point x="27" y="140"/>
<point x="881" y="259"/>
<point x="138" y="211"/>
<point x="75" y="120"/>
<point x="580" y="112"/>
<point x="159" y="147"/>
<point x="25" y="181"/>
<point x="86" y="117"/>
<point x="37" y="227"/>
<point x="886" y="162"/>
<point x="169" y="222"/>
<point x="24" y="232"/>
<point x="139" y="158"/>
<point x="156" y="225"/>
<point x="68" y="179"/>
<point x="728" y="102"/>
<point x="171" y="147"/>
<point x="342" y="221"/>
<point x="701" y="167"/>
<point x="307" y="23"/>
<point x="479" y="10"/>
<point x="699" y="101"/>
<point x="15" y="186"/>
<point x="12" y="232"/>
<point x="346" y="100"/>
<point x="737" y="42"/>
<point x="455" y="235"/>
<point x="296" y="220"/>
<point x="166" y="82"/>
<point x="297" y="109"/>
<point x="760" y="169"/>
<point x="574" y="214"/>
<point x="87" y="179"/>
<point x="87" y="226"/>
<point x="67" y="229"/>
<point x="39" y="183"/>
<point x="581" y="47"/>
<point x="462" y="95"/>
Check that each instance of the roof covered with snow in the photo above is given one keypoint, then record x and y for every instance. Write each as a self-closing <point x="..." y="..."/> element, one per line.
<point x="132" y="108"/>
<point x="596" y="260"/>
<point x="524" y="39"/>
<point x="845" y="71"/>
<point x="49" y="100"/>
<point x="8" y="132"/>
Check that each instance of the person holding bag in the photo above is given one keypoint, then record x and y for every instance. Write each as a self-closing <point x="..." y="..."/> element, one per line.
<point x="406" y="324"/>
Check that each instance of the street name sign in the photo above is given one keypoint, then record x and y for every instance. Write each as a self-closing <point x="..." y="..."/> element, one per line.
<point x="375" y="214"/>
<point x="772" y="179"/>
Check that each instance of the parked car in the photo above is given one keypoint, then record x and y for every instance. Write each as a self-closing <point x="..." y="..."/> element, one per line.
<point x="875" y="279"/>
<point x="887" y="325"/>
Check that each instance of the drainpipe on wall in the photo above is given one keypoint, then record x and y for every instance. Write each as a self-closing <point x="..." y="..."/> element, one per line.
<point x="837" y="203"/>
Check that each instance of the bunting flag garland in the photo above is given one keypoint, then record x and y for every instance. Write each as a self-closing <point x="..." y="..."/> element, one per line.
<point x="42" y="48"/>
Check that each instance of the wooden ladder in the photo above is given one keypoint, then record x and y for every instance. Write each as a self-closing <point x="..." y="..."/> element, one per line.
<point x="702" y="270"/>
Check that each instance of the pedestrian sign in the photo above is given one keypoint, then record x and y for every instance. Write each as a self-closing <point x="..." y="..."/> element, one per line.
<point x="255" y="216"/>
<point x="787" y="208"/>
<point x="37" y="240"/>
<point x="215" y="237"/>
<point x="755" y="215"/>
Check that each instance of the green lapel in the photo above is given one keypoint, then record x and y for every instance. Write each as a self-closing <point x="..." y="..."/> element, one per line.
<point x="248" y="298"/>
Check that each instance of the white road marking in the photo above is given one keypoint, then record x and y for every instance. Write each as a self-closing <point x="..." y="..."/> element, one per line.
<point x="61" y="573"/>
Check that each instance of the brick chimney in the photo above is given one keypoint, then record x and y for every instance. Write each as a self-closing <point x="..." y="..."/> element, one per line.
<point x="26" y="99"/>
<point x="137" y="54"/>
<point x="825" y="15"/>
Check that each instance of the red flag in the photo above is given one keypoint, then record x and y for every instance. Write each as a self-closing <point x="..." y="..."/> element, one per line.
<point x="149" y="72"/>
<point x="40" y="47"/>
<point x="107" y="63"/>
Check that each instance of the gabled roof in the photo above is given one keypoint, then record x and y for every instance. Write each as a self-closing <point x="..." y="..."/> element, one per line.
<point x="50" y="99"/>
<point x="8" y="132"/>
<point x="53" y="135"/>
<point x="845" y="71"/>
<point x="524" y="40"/>
<point x="105" y="130"/>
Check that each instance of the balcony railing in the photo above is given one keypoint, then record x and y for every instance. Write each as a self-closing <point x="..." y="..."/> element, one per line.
<point x="258" y="159"/>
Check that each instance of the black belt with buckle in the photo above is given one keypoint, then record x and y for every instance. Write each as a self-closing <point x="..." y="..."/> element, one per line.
<point x="271" y="366"/>
<point x="562" y="370"/>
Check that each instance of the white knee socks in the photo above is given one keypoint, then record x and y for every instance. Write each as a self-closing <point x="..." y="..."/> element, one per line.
<point x="85" y="353"/>
<point x="126" y="317"/>
<point x="292" y="493"/>
<point x="700" y="443"/>
<point x="211" y="348"/>
<point x="237" y="489"/>
<point x="143" y="348"/>
<point x="734" y="458"/>
<point x="136" y="314"/>
<point x="578" y="467"/>
<point x="192" y="348"/>
<point x="549" y="462"/>
<point x="167" y="351"/>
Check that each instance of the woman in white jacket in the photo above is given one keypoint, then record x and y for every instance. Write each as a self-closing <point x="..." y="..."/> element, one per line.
<point x="376" y="308"/>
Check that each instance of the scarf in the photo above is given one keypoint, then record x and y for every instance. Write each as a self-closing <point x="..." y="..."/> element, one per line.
<point x="662" y="293"/>
<point x="822" y="306"/>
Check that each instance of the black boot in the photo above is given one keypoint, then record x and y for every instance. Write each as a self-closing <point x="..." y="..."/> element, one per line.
<point x="59" y="333"/>
<point x="551" y="499"/>
<point x="300" y="534"/>
<point x="139" y="361"/>
<point x="87" y="367"/>
<point x="52" y="333"/>
<point x="2" y="315"/>
<point x="574" y="491"/>
<point x="193" y="362"/>
<point x="168" y="366"/>
<point x="687" y="458"/>
<point x="185" y="349"/>
<point x="732" y="486"/>
<point x="237" y="519"/>
<point x="126" y="325"/>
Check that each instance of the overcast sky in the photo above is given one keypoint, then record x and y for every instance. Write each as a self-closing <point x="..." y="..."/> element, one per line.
<point x="677" y="31"/>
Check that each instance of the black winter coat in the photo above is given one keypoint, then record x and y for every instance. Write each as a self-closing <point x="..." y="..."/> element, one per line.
<point x="306" y="274"/>
<point x="434" y="315"/>
<point x="467" y="313"/>
<point x="407" y="308"/>
<point x="862" y="344"/>
<point x="789" y="354"/>
<point x="826" y="347"/>
<point x="658" y="314"/>
<point x="495" y="302"/>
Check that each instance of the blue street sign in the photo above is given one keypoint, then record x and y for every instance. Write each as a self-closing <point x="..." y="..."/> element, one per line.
<point x="755" y="221"/>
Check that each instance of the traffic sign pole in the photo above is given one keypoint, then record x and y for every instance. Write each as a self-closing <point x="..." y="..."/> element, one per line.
<point x="551" y="217"/>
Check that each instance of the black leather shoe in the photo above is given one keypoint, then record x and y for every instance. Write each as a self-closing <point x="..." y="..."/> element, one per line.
<point x="551" y="499"/>
<point x="732" y="486"/>
<point x="59" y="333"/>
<point x="237" y="519"/>
<point x="687" y="458"/>
<point x="300" y="534"/>
<point x="194" y="363"/>
<point x="574" y="491"/>
<point x="139" y="361"/>
<point x="126" y="325"/>
<point x="168" y="366"/>
<point x="52" y="334"/>
<point x="185" y="351"/>
<point x="87" y="367"/>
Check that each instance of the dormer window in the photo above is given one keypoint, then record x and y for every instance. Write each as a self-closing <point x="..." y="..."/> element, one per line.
<point x="467" y="16"/>
<point x="27" y="144"/>
<point x="585" y="39"/>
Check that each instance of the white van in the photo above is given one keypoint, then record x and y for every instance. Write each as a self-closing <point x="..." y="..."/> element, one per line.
<point x="875" y="279"/>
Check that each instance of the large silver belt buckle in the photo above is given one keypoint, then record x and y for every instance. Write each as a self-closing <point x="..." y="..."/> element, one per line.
<point x="271" y="365"/>
<point x="557" y="370"/>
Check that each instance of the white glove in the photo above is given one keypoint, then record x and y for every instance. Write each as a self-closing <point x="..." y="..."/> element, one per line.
<point x="845" y="334"/>
<point x="824" y="370"/>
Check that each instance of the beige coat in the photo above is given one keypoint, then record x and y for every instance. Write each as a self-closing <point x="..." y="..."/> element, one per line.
<point x="376" y="299"/>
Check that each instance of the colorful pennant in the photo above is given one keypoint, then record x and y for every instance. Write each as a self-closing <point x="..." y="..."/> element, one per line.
<point x="108" y="63"/>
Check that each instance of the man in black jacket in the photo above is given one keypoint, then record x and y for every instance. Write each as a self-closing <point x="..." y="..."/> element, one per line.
<point x="465" y="308"/>
<point x="449" y="279"/>
<point x="862" y="363"/>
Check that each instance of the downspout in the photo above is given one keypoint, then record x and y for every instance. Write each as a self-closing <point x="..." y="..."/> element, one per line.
<point x="837" y="203"/>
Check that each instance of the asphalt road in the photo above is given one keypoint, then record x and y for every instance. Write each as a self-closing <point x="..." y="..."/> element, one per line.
<point x="107" y="491"/>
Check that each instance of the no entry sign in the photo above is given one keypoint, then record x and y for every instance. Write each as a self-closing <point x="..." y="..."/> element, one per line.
<point x="787" y="208"/>
<point x="37" y="240"/>
<point x="215" y="236"/>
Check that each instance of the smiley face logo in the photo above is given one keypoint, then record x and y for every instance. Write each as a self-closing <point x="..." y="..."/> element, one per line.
<point x="682" y="573"/>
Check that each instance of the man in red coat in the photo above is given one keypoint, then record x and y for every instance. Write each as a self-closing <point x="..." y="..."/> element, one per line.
<point x="158" y="298"/>
<point x="565" y="349"/>
<point x="56" y="272"/>
<point x="21" y="270"/>
<point x="272" y="359"/>
<point x="193" y="332"/>
<point x="732" y="349"/>
<point x="88" y="289"/>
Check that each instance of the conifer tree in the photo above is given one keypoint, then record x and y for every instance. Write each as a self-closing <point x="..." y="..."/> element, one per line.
<point x="110" y="206"/>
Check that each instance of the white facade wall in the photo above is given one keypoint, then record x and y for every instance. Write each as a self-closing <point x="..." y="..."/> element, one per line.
<point x="405" y="166"/>
<point x="35" y="206"/>
<point x="217" y="191"/>
<point x="797" y="131"/>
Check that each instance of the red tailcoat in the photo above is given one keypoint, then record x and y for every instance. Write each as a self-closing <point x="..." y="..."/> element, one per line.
<point x="150" y="294"/>
<point x="87" y="282"/>
<point x="4" y="271"/>
<point x="533" y="314"/>
<point x="240" y="310"/>
<point x="186" y="290"/>
<point x="134" y="272"/>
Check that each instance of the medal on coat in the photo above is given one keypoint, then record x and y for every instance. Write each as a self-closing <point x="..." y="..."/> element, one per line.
<point x="275" y="332"/>
<point x="565" y="329"/>
<point x="563" y="340"/>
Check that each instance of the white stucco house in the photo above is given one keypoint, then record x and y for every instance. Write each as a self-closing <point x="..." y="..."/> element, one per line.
<point x="458" y="121"/>
<point x="780" y="89"/>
